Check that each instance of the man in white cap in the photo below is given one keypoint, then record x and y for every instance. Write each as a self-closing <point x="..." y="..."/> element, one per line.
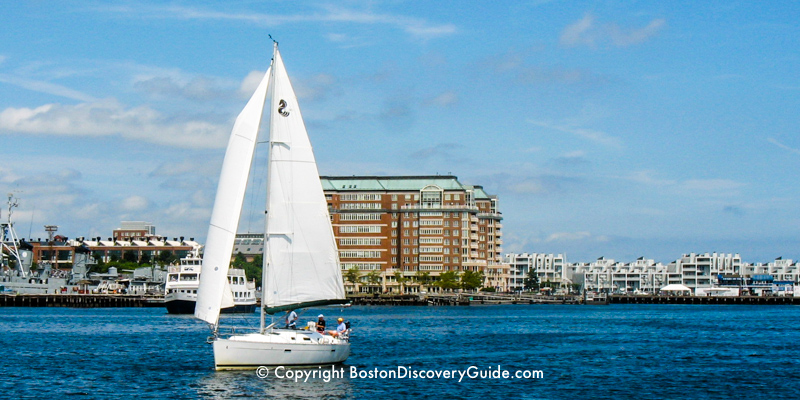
<point x="321" y="324"/>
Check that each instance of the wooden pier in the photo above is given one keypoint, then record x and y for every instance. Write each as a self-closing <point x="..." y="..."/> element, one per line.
<point x="79" y="300"/>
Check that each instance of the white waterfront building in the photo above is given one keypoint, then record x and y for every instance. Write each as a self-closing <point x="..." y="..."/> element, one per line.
<point x="694" y="270"/>
<point x="781" y="270"/>
<point x="701" y="270"/>
<point x="608" y="276"/>
<point x="549" y="268"/>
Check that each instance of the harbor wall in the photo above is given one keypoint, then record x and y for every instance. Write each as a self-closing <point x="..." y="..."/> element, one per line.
<point x="105" y="300"/>
<point x="78" y="300"/>
<point x="753" y="300"/>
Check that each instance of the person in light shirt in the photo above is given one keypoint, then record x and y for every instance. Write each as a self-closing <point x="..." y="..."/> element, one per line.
<point x="340" y="330"/>
<point x="291" y="320"/>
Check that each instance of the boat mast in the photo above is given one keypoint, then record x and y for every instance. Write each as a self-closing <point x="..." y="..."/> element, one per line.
<point x="265" y="260"/>
<point x="9" y="238"/>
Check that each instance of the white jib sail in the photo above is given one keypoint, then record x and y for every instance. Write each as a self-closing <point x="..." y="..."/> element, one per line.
<point x="301" y="260"/>
<point x="213" y="292"/>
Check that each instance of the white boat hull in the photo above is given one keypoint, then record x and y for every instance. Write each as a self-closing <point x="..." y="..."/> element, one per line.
<point x="280" y="347"/>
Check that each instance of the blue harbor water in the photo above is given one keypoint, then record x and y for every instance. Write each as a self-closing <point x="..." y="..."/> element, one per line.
<point x="617" y="351"/>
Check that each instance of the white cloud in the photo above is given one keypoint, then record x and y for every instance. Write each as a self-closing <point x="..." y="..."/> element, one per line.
<point x="576" y="33"/>
<point x="575" y="236"/>
<point x="417" y="27"/>
<point x="250" y="83"/>
<point x="718" y="186"/>
<point x="590" y="134"/>
<point x="513" y="64"/>
<point x="7" y="175"/>
<point x="337" y="37"/>
<point x="647" y="177"/>
<point x="445" y="99"/>
<point x="587" y="32"/>
<point x="439" y="151"/>
<point x="109" y="117"/>
<point x="528" y="186"/>
<point x="195" y="88"/>
<point x="317" y="87"/>
<point x="783" y="146"/>
<point x="574" y="154"/>
<point x="45" y="87"/>
<point x="693" y="188"/>
<point x="134" y="203"/>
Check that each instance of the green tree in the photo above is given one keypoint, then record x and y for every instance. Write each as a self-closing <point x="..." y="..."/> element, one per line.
<point x="352" y="275"/>
<point x="145" y="258"/>
<point x="166" y="257"/>
<point x="531" y="281"/>
<point x="422" y="277"/>
<point x="129" y="256"/>
<point x="471" y="280"/>
<point x="448" y="280"/>
<point x="401" y="280"/>
<point x="252" y="269"/>
<point x="238" y="261"/>
<point x="374" y="278"/>
<point x="255" y="269"/>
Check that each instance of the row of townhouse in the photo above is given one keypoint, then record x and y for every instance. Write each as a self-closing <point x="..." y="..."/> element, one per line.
<point x="644" y="275"/>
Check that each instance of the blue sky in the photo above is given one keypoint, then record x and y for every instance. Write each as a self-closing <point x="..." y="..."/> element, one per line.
<point x="616" y="129"/>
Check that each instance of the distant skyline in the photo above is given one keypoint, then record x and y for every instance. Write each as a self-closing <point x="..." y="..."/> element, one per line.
<point x="606" y="128"/>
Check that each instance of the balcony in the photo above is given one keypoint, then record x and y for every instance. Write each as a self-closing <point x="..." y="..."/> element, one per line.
<point x="495" y="216"/>
<point x="438" y="207"/>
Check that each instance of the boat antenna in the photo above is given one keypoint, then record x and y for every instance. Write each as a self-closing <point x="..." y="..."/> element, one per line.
<point x="270" y="37"/>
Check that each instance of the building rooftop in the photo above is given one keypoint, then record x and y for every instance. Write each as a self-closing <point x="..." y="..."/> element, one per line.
<point x="396" y="183"/>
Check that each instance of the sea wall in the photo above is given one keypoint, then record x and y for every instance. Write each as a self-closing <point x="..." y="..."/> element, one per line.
<point x="78" y="300"/>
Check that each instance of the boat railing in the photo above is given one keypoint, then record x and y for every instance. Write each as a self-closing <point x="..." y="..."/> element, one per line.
<point x="228" y="331"/>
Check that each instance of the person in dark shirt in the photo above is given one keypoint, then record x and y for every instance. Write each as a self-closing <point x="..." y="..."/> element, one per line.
<point x="321" y="324"/>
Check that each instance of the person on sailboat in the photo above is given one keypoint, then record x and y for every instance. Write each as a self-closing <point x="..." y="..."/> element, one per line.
<point x="341" y="329"/>
<point x="291" y="320"/>
<point x="321" y="324"/>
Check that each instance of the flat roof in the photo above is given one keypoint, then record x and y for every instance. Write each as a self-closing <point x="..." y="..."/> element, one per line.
<point x="398" y="183"/>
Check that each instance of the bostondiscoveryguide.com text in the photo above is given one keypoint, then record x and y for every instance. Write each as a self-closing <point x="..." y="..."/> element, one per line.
<point x="400" y="372"/>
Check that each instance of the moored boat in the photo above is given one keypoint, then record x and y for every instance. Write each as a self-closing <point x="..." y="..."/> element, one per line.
<point x="180" y="294"/>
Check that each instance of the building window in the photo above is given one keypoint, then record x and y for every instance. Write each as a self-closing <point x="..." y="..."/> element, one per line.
<point x="431" y="197"/>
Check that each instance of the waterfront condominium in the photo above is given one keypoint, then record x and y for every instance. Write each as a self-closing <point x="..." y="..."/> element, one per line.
<point x="403" y="232"/>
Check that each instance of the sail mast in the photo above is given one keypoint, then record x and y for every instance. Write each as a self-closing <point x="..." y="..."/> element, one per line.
<point x="265" y="258"/>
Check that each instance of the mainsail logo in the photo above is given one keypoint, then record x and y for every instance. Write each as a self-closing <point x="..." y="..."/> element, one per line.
<point x="282" y="108"/>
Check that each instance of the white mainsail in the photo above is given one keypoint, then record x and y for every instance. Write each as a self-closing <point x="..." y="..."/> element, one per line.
<point x="301" y="262"/>
<point x="213" y="292"/>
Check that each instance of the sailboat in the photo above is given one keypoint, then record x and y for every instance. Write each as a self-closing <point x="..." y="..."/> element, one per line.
<point x="301" y="262"/>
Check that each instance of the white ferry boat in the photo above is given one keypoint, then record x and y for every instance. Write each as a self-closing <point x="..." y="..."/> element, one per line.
<point x="181" y="288"/>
